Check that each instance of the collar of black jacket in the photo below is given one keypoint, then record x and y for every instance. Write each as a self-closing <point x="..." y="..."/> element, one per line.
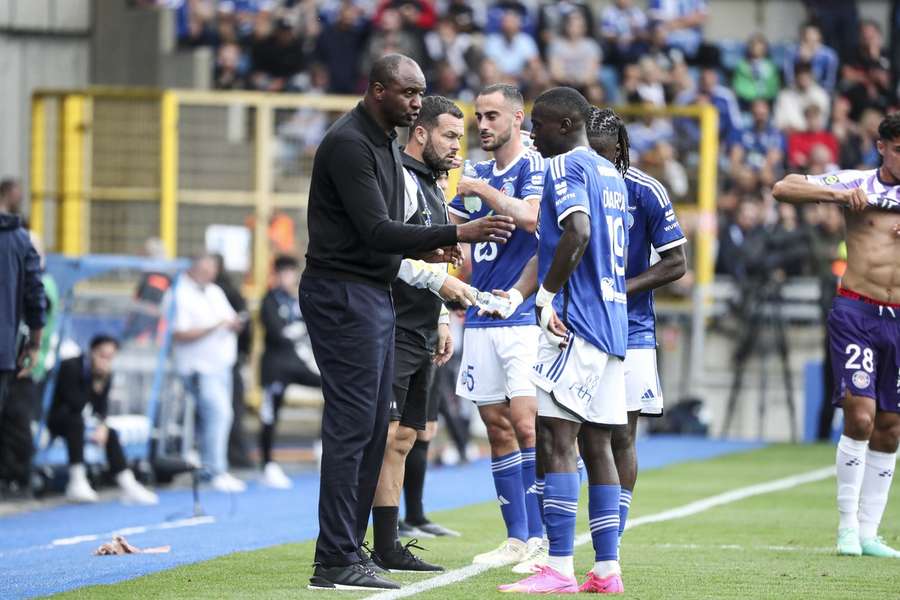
<point x="419" y="167"/>
<point x="9" y="222"/>
<point x="371" y="127"/>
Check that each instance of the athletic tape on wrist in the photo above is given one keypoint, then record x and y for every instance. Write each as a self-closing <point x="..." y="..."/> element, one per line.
<point x="543" y="297"/>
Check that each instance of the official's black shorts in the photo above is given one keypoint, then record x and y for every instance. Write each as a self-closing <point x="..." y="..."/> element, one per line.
<point x="413" y="374"/>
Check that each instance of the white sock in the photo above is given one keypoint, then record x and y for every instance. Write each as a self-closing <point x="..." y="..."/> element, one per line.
<point x="564" y="565"/>
<point x="875" y="487"/>
<point x="851" y="465"/>
<point x="126" y="479"/>
<point x="605" y="568"/>
<point x="77" y="471"/>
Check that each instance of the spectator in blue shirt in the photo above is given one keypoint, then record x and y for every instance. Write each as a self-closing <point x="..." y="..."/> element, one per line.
<point x="511" y="49"/>
<point x="340" y="48"/>
<point x="757" y="152"/>
<point x="683" y="20"/>
<point x="623" y="27"/>
<point x="822" y="59"/>
<point x="710" y="90"/>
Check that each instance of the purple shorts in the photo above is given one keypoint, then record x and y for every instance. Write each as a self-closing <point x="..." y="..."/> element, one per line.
<point x="865" y="352"/>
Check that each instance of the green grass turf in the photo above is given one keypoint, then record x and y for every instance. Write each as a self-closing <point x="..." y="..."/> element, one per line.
<point x="776" y="545"/>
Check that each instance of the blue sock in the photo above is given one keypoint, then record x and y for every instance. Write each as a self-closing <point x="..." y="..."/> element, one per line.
<point x="539" y="486"/>
<point x="624" y="505"/>
<point x="603" y="515"/>
<point x="560" y="509"/>
<point x="582" y="471"/>
<point x="507" y="472"/>
<point x="532" y="507"/>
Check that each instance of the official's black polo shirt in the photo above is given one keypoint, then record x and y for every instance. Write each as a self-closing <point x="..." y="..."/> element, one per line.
<point x="355" y="210"/>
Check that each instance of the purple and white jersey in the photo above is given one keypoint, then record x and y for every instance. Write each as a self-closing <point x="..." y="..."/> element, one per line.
<point x="880" y="194"/>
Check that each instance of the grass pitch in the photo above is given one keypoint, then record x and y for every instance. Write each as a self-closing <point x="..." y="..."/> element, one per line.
<point x="776" y="545"/>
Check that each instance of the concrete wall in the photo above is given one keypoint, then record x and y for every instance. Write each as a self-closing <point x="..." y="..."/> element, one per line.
<point x="43" y="43"/>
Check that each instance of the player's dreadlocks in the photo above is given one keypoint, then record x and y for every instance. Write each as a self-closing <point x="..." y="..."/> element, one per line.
<point x="609" y="129"/>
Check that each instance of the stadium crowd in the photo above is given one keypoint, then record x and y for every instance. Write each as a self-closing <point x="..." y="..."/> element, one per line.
<point x="808" y="104"/>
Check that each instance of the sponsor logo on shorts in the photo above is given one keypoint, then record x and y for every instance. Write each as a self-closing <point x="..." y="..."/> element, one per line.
<point x="585" y="390"/>
<point x="861" y="380"/>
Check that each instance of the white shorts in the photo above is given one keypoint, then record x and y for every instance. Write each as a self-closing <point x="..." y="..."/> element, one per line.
<point x="642" y="389"/>
<point x="496" y="363"/>
<point x="580" y="383"/>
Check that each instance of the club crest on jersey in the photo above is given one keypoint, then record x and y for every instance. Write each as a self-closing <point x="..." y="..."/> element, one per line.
<point x="861" y="380"/>
<point x="508" y="188"/>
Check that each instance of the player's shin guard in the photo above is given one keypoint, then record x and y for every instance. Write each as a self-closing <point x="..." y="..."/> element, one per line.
<point x="603" y="515"/>
<point x="624" y="505"/>
<point x="876" y="483"/>
<point x="532" y="506"/>
<point x="560" y="508"/>
<point x="507" y="471"/>
<point x="851" y="466"/>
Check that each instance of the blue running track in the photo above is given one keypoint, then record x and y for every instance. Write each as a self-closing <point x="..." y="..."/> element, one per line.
<point x="48" y="551"/>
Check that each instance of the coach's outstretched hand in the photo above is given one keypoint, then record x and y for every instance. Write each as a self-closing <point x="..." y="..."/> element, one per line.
<point x="494" y="228"/>
<point x="457" y="291"/>
<point x="450" y="254"/>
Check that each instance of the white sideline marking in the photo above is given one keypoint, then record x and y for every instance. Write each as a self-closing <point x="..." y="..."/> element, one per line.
<point x="820" y="550"/>
<point x="78" y="539"/>
<point x="681" y="512"/>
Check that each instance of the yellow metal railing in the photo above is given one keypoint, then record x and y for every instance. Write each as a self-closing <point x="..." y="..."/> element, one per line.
<point x="135" y="162"/>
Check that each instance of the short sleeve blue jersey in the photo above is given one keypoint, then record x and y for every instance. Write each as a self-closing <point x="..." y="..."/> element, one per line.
<point x="652" y="229"/>
<point x="498" y="266"/>
<point x="593" y="302"/>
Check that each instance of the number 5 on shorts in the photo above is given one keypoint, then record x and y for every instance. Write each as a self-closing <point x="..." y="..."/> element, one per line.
<point x="468" y="377"/>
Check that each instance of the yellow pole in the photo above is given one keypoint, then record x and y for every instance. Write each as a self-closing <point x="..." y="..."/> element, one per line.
<point x="706" y="193"/>
<point x="38" y="183"/>
<point x="705" y="240"/>
<point x="71" y="175"/>
<point x="263" y="193"/>
<point x="168" y="173"/>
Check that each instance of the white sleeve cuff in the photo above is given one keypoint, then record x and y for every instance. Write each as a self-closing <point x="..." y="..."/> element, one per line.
<point x="673" y="244"/>
<point x="569" y="211"/>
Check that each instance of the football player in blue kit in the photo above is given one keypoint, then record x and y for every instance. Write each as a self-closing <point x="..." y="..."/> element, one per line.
<point x="582" y="311"/>
<point x="655" y="258"/>
<point x="498" y="355"/>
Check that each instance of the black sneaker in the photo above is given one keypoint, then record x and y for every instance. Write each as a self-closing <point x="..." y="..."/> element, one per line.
<point x="352" y="577"/>
<point x="400" y="559"/>
<point x="405" y="530"/>
<point x="436" y="530"/>
<point x="365" y="555"/>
